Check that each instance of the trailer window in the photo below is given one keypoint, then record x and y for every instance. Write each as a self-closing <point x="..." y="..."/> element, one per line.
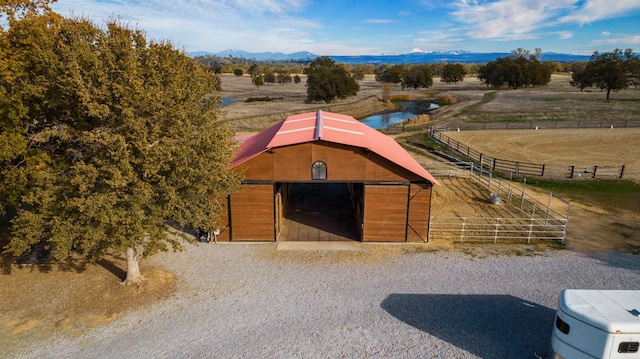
<point x="628" y="347"/>
<point x="562" y="325"/>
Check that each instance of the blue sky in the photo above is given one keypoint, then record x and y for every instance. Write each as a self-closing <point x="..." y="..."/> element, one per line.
<point x="373" y="27"/>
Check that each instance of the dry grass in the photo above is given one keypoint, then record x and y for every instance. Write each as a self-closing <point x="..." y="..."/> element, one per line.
<point x="559" y="101"/>
<point x="43" y="302"/>
<point x="256" y="116"/>
<point x="618" y="146"/>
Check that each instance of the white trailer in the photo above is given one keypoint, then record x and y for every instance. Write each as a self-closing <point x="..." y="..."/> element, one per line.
<point x="594" y="324"/>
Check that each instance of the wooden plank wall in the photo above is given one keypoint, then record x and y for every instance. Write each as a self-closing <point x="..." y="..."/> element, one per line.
<point x="419" y="208"/>
<point x="385" y="213"/>
<point x="344" y="163"/>
<point x="252" y="216"/>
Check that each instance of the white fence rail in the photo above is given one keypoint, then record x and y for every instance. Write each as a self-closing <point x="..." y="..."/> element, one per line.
<point x="472" y="229"/>
<point x="542" y="221"/>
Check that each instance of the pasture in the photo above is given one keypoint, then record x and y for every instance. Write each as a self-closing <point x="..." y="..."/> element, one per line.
<point x="618" y="146"/>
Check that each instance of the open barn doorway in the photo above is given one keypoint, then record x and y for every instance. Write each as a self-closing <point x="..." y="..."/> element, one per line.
<point x="318" y="211"/>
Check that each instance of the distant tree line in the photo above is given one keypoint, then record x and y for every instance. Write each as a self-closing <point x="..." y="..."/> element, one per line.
<point x="230" y="64"/>
<point x="609" y="71"/>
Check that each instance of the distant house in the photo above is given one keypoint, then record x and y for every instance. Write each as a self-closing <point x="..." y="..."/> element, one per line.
<point x="327" y="176"/>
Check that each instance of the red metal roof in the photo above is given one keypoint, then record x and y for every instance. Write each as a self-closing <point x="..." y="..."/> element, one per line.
<point x="330" y="127"/>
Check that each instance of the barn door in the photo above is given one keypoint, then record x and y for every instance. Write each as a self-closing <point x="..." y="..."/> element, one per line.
<point x="419" y="210"/>
<point x="385" y="213"/>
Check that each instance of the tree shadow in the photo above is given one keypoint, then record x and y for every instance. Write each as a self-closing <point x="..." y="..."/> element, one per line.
<point x="113" y="268"/>
<point x="39" y="258"/>
<point x="488" y="326"/>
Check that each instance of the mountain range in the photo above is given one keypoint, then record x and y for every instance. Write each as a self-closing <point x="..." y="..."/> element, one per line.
<point x="415" y="57"/>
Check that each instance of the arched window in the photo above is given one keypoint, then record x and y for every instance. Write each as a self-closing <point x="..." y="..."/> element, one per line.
<point x="319" y="171"/>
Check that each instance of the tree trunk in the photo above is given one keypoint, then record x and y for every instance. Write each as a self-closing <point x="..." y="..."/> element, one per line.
<point x="608" y="92"/>
<point x="133" y="269"/>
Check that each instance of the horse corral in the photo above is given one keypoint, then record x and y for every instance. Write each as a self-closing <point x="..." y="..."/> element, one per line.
<point x="592" y="228"/>
<point x="568" y="147"/>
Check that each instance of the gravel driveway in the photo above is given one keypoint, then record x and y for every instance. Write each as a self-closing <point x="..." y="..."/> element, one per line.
<point x="251" y="301"/>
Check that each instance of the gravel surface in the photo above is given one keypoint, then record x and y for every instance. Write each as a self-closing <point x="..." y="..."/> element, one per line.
<point x="251" y="301"/>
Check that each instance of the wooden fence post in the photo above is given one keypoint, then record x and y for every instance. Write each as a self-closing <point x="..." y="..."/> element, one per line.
<point x="621" y="171"/>
<point x="595" y="169"/>
<point x="542" y="174"/>
<point x="573" y="168"/>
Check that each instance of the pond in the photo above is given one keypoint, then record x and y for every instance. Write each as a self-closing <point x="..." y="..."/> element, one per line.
<point x="411" y="109"/>
<point x="226" y="101"/>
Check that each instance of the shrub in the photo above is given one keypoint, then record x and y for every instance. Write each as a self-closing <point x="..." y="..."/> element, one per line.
<point x="403" y="97"/>
<point x="446" y="100"/>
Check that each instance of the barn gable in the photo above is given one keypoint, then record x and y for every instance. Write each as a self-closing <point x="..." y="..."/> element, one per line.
<point x="332" y="128"/>
<point x="326" y="176"/>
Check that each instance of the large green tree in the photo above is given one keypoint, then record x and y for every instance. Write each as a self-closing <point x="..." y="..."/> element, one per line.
<point x="453" y="73"/>
<point x="610" y="71"/>
<point x="327" y="81"/>
<point x="522" y="69"/>
<point x="389" y="74"/>
<point x="111" y="136"/>
<point x="415" y="76"/>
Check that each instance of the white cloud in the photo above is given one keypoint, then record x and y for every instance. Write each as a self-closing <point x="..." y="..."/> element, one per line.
<point x="606" y="33"/>
<point x="565" y="35"/>
<point x="208" y="25"/>
<point x="437" y="40"/>
<point x="594" y="10"/>
<point x="624" y="40"/>
<point x="507" y="19"/>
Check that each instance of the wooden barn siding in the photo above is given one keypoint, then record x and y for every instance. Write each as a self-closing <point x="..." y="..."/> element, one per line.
<point x="224" y="235"/>
<point x="381" y="169"/>
<point x="385" y="213"/>
<point x="419" y="208"/>
<point x="292" y="163"/>
<point x="344" y="163"/>
<point x="259" y="168"/>
<point x="252" y="217"/>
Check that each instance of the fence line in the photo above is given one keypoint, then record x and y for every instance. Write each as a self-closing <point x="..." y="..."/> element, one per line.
<point x="542" y="222"/>
<point x="538" y="125"/>
<point x="495" y="229"/>
<point x="533" y="169"/>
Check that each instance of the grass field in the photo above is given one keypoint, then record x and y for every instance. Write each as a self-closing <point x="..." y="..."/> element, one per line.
<point x="618" y="146"/>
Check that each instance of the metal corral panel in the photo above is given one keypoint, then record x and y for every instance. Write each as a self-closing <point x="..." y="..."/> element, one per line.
<point x="419" y="207"/>
<point x="252" y="217"/>
<point x="385" y="213"/>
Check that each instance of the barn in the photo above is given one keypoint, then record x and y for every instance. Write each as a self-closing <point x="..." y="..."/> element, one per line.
<point x="322" y="176"/>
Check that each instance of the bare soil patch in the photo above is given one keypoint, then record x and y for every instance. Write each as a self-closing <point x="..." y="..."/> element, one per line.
<point x="40" y="302"/>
